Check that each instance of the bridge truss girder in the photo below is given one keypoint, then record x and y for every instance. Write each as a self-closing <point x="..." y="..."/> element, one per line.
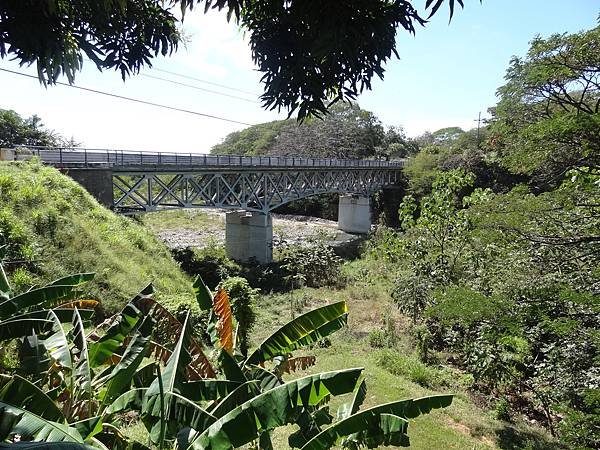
<point x="256" y="190"/>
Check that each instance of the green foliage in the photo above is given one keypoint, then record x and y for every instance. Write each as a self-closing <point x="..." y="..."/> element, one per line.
<point x="347" y="131"/>
<point x="329" y="54"/>
<point x="547" y="119"/>
<point x="254" y="140"/>
<point x="507" y="281"/>
<point x="14" y="130"/>
<point x="62" y="229"/>
<point x="92" y="378"/>
<point x="502" y="410"/>
<point x="313" y="266"/>
<point x="412" y="368"/>
<point x="210" y="262"/>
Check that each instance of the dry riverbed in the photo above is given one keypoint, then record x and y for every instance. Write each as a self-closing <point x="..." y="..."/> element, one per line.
<point x="202" y="228"/>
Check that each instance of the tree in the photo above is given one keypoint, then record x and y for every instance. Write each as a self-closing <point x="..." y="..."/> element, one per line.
<point x="347" y="132"/>
<point x="14" y="130"/>
<point x="310" y="52"/>
<point x="548" y="117"/>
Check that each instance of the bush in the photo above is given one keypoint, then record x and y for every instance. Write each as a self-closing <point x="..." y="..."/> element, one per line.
<point x="502" y="410"/>
<point x="377" y="339"/>
<point x="210" y="262"/>
<point x="314" y="266"/>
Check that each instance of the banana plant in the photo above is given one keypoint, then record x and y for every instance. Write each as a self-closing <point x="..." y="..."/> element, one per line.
<point x="255" y="408"/>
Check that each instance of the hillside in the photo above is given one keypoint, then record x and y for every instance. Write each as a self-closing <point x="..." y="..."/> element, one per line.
<point x="52" y="227"/>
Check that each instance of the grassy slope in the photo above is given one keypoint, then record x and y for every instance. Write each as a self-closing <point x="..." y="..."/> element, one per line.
<point x="461" y="426"/>
<point x="52" y="223"/>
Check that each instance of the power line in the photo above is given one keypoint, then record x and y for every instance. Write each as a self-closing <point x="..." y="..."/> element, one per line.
<point x="204" y="81"/>
<point x="158" y="105"/>
<point x="198" y="88"/>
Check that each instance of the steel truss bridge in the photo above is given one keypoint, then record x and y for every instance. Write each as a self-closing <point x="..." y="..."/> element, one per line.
<point x="143" y="182"/>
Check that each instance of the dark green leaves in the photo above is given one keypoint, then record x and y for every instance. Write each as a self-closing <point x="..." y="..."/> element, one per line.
<point x="381" y="425"/>
<point x="203" y="295"/>
<point x="272" y="409"/>
<point x="306" y="329"/>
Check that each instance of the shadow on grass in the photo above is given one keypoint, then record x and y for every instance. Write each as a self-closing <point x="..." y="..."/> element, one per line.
<point x="512" y="438"/>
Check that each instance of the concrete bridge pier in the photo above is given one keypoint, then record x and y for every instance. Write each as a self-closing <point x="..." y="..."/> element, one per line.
<point x="249" y="235"/>
<point x="354" y="214"/>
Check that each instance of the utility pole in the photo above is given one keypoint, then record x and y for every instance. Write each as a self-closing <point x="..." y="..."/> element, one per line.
<point x="478" y="120"/>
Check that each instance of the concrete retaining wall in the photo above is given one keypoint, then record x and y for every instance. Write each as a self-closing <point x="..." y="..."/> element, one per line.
<point x="97" y="182"/>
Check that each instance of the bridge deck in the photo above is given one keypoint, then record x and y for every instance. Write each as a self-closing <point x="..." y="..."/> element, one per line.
<point x="130" y="160"/>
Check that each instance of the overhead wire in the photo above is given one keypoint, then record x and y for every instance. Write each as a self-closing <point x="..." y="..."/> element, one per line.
<point x="224" y="86"/>
<point x="131" y="99"/>
<point x="198" y="88"/>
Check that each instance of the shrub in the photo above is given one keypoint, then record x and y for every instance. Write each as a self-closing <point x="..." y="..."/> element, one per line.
<point x="314" y="266"/>
<point x="502" y="410"/>
<point x="210" y="262"/>
<point x="21" y="279"/>
<point x="377" y="339"/>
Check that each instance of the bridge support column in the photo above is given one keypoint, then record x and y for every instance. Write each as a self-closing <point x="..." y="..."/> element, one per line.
<point x="249" y="235"/>
<point x="354" y="214"/>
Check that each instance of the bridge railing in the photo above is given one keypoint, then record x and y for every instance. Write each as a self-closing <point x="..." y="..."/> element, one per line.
<point x="65" y="156"/>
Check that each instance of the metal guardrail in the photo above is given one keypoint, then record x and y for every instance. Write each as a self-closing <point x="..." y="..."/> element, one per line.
<point x="65" y="156"/>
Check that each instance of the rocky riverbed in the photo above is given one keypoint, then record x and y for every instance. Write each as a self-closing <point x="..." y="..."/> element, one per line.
<point x="180" y="229"/>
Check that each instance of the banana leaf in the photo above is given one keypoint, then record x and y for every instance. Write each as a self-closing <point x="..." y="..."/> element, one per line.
<point x="25" y="324"/>
<point x="178" y="409"/>
<point x="376" y="426"/>
<point x="45" y="296"/>
<point x="46" y="446"/>
<point x="206" y="390"/>
<point x="304" y="330"/>
<point x="57" y="343"/>
<point x="83" y="373"/>
<point x="347" y="409"/>
<point x="241" y="395"/>
<point x="74" y="279"/>
<point x="16" y="420"/>
<point x="114" y="337"/>
<point x="203" y="296"/>
<point x="21" y="393"/>
<point x="271" y="409"/>
<point x="122" y="374"/>
<point x="230" y="367"/>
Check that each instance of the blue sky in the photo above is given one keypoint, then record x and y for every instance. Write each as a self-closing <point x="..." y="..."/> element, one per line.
<point x="446" y="75"/>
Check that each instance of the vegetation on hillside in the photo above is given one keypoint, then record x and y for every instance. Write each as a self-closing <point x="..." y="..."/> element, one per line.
<point x="498" y="262"/>
<point x="15" y="130"/>
<point x="75" y="387"/>
<point x="347" y="132"/>
<point x="51" y="226"/>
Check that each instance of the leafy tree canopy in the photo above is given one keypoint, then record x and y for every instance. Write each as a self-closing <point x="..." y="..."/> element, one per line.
<point x="347" y="132"/>
<point x="310" y="52"/>
<point x="14" y="130"/>
<point x="548" y="117"/>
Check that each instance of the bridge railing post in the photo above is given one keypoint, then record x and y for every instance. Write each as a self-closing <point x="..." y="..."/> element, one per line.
<point x="85" y="157"/>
